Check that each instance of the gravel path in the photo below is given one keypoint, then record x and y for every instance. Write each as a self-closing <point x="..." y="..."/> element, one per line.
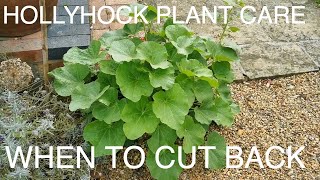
<point x="280" y="112"/>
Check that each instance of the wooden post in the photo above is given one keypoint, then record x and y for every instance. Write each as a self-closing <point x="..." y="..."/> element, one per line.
<point x="45" y="57"/>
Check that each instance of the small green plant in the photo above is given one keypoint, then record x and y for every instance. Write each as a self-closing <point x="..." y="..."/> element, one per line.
<point x="164" y="81"/>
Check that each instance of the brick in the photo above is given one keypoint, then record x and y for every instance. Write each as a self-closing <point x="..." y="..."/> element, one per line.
<point x="115" y="26"/>
<point x="118" y="2"/>
<point x="98" y="25"/>
<point x="97" y="4"/>
<point x="96" y="34"/>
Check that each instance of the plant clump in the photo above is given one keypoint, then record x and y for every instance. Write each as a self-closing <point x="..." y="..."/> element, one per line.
<point x="15" y="75"/>
<point x="37" y="119"/>
<point x="169" y="85"/>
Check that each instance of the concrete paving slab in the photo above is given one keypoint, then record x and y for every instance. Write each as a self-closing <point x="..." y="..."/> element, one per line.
<point x="274" y="59"/>
<point x="313" y="49"/>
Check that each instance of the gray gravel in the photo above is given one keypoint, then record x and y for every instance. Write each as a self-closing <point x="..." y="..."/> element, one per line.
<point x="280" y="112"/>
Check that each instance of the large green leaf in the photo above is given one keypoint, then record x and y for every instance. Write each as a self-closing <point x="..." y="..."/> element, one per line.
<point x="162" y="78"/>
<point x="173" y="32"/>
<point x="223" y="112"/>
<point x="171" y="106"/>
<point x="133" y="28"/>
<point x="165" y="158"/>
<point x="217" y="157"/>
<point x="101" y="134"/>
<point x="225" y="92"/>
<point x="85" y="95"/>
<point x="163" y="136"/>
<point x="89" y="56"/>
<point x="109" y="96"/>
<point x="106" y="80"/>
<point x="154" y="53"/>
<point x="123" y="50"/>
<point x="201" y="48"/>
<point x="133" y="83"/>
<point x="202" y="90"/>
<point x="151" y="13"/>
<point x="222" y="71"/>
<point x="205" y="113"/>
<point x="69" y="77"/>
<point x="184" y="45"/>
<point x="220" y="53"/>
<point x="193" y="68"/>
<point x="139" y="119"/>
<point x="192" y="134"/>
<point x="174" y="56"/>
<point x="108" y="114"/>
<point x="108" y="67"/>
<point x="187" y="85"/>
<point x="109" y="37"/>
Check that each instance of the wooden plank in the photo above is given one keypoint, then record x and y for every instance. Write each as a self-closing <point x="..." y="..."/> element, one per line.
<point x="44" y="30"/>
<point x="27" y="56"/>
<point x="19" y="45"/>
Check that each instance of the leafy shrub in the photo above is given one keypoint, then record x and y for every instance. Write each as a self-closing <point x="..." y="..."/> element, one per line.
<point x="165" y="82"/>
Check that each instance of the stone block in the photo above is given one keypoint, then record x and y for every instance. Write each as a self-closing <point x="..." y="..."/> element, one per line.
<point x="68" y="30"/>
<point x="296" y="32"/>
<point x="274" y="59"/>
<point x="249" y="34"/>
<point x="68" y="41"/>
<point x="238" y="71"/>
<point x="313" y="49"/>
<point x="73" y="2"/>
<point x="61" y="11"/>
<point x="76" y="19"/>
